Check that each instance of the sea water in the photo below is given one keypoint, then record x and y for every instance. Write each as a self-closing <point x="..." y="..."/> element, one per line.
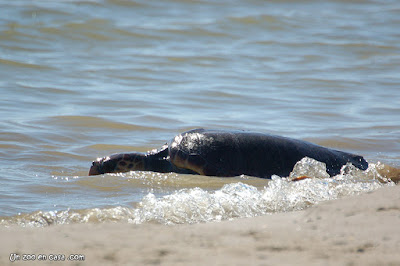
<point x="85" y="79"/>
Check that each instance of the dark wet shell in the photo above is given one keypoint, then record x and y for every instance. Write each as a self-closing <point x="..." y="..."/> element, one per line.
<point x="232" y="153"/>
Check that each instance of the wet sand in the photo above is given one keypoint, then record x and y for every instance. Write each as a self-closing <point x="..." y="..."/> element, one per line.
<point x="360" y="230"/>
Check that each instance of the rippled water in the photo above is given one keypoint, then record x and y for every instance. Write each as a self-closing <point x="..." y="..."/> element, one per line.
<point x="84" y="79"/>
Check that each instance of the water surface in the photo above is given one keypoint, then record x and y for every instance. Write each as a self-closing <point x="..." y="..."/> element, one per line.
<point x="84" y="79"/>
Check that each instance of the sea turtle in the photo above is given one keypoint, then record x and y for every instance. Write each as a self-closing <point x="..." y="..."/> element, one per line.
<point x="227" y="153"/>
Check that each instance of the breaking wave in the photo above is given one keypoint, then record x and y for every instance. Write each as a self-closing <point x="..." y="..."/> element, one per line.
<point x="236" y="200"/>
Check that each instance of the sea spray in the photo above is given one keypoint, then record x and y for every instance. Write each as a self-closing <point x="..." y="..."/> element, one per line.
<point x="235" y="200"/>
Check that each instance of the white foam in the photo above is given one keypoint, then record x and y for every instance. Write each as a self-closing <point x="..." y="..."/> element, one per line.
<point x="234" y="200"/>
<point x="241" y="200"/>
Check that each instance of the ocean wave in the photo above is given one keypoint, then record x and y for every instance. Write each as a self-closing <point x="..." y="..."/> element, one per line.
<point x="235" y="200"/>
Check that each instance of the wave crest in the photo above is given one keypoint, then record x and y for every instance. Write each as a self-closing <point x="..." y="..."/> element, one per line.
<point x="236" y="200"/>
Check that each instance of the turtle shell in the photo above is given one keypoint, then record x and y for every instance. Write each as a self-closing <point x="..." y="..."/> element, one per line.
<point x="232" y="153"/>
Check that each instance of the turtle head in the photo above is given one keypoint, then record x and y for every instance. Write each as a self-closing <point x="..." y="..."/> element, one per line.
<point x="118" y="163"/>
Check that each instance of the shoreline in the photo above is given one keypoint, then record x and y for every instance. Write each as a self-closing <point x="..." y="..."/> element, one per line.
<point x="357" y="230"/>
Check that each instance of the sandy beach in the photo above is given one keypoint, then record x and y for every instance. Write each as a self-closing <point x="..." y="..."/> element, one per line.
<point x="359" y="230"/>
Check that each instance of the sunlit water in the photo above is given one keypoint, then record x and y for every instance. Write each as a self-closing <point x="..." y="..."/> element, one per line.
<point x="84" y="79"/>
